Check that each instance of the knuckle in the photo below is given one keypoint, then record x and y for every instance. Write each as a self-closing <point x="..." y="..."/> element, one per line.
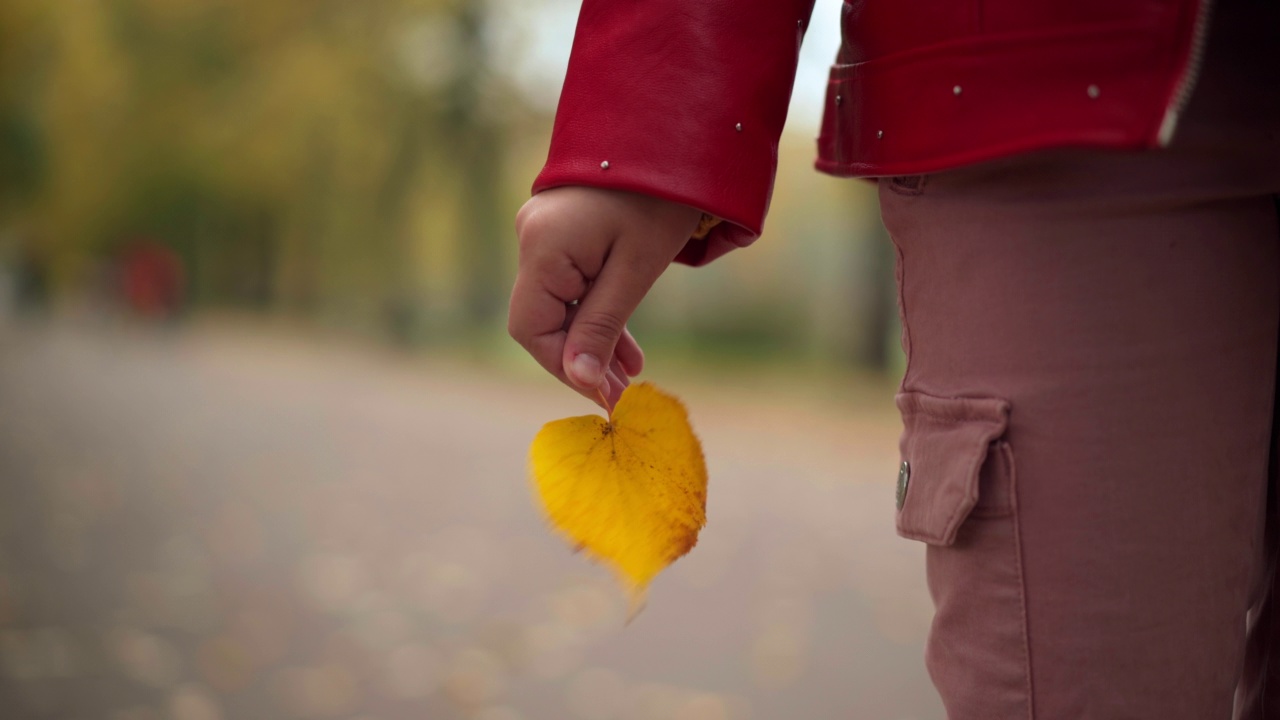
<point x="532" y="226"/>
<point x="601" y="327"/>
<point x="518" y="330"/>
<point x="522" y="216"/>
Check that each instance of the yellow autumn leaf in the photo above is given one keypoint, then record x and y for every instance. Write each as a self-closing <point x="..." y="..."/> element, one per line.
<point x="630" y="490"/>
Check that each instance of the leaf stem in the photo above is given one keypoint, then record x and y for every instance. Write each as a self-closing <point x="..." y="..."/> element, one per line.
<point x="605" y="402"/>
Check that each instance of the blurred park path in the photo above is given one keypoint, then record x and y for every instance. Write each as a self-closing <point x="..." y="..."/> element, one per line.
<point x="222" y="523"/>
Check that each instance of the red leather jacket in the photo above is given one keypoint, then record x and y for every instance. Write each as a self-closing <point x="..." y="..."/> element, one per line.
<point x="685" y="100"/>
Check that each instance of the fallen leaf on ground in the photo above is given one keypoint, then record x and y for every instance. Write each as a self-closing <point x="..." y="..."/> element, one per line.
<point x="630" y="490"/>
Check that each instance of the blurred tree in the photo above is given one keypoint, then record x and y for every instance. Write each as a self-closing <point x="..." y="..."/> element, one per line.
<point x="479" y="141"/>
<point x="21" y="143"/>
<point x="874" y="347"/>
<point x="280" y="148"/>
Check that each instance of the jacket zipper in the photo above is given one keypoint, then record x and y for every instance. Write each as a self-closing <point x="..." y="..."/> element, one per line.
<point x="1190" y="74"/>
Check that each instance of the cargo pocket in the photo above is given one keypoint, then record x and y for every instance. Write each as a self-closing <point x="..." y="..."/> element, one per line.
<point x="957" y="493"/>
<point x="946" y="444"/>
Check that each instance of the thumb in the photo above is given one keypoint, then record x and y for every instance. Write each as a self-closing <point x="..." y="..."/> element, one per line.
<point x="602" y="316"/>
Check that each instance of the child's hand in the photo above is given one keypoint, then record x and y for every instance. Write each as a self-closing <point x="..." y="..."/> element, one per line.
<point x="603" y="249"/>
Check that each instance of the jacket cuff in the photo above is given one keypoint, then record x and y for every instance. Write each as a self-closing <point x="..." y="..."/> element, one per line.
<point x="682" y="101"/>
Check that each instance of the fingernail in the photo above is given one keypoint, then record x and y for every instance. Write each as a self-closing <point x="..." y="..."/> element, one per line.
<point x="586" y="370"/>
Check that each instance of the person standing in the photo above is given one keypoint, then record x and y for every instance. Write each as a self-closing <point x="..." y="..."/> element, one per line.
<point x="1082" y="199"/>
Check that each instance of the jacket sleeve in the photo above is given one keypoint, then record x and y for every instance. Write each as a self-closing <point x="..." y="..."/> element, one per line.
<point x="683" y="100"/>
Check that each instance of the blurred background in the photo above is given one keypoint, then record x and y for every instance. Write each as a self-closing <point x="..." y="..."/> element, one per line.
<point x="263" y="435"/>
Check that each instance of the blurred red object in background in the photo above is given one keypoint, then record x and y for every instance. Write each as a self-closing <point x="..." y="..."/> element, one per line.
<point x="152" y="279"/>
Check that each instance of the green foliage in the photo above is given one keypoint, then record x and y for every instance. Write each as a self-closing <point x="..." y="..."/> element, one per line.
<point x="22" y="161"/>
<point x="284" y="149"/>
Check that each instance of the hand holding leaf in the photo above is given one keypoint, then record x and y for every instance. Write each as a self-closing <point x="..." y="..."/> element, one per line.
<point x="630" y="490"/>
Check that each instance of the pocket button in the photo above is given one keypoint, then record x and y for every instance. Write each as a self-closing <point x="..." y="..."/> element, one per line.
<point x="904" y="477"/>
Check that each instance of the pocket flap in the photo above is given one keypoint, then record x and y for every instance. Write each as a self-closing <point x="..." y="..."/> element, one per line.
<point x="944" y="445"/>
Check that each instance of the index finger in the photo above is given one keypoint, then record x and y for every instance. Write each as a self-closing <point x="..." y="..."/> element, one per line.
<point x="536" y="320"/>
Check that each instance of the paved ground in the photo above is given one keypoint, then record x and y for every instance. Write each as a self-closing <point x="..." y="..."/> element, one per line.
<point x="221" y="524"/>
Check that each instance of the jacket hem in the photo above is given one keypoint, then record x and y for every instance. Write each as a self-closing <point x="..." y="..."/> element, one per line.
<point x="985" y="98"/>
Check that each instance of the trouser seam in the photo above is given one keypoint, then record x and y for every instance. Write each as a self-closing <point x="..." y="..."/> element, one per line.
<point x="902" y="313"/>
<point x="1272" y="463"/>
<point x="1022" y="583"/>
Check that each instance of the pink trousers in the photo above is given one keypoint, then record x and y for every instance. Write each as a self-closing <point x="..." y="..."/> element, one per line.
<point x="1089" y="444"/>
